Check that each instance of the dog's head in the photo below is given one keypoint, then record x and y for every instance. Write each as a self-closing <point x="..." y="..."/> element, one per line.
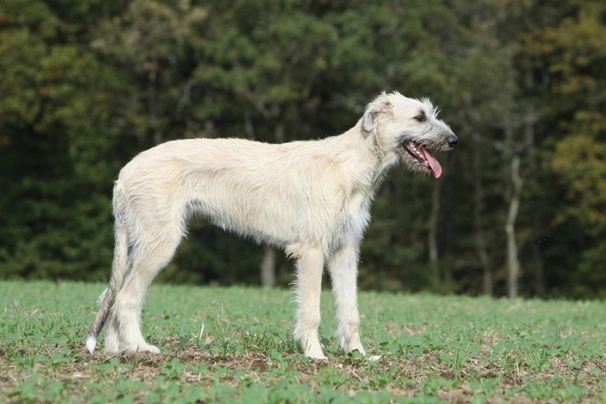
<point x="408" y="129"/>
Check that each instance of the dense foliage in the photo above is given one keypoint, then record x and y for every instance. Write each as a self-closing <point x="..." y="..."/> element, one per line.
<point x="84" y="86"/>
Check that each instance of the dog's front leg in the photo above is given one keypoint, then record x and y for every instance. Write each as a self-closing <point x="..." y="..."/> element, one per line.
<point x="310" y="265"/>
<point x="343" y="268"/>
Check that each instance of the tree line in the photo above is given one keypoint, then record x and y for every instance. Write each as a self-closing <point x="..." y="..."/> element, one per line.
<point x="520" y="209"/>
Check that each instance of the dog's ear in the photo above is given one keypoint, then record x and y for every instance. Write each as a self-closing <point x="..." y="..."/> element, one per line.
<point x="373" y="109"/>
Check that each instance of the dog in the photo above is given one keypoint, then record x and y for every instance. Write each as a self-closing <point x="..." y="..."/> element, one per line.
<point x="310" y="198"/>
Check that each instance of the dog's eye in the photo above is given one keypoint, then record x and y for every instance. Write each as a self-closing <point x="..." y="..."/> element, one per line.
<point x="420" y="118"/>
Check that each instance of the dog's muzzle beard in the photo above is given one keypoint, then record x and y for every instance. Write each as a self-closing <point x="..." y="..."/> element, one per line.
<point x="422" y="159"/>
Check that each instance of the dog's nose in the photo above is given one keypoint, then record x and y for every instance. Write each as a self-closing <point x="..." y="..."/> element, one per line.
<point x="452" y="139"/>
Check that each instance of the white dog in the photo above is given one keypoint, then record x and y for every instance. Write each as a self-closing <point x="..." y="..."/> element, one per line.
<point x="312" y="198"/>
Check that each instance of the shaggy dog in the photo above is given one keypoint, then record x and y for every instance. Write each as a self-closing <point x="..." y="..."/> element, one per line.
<point x="311" y="198"/>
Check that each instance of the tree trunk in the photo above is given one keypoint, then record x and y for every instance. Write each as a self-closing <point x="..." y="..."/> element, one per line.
<point x="531" y="117"/>
<point x="433" y="234"/>
<point x="279" y="132"/>
<point x="268" y="267"/>
<point x="513" y="264"/>
<point x="478" y="222"/>
<point x="540" y="287"/>
<point x="153" y="104"/>
<point x="249" y="127"/>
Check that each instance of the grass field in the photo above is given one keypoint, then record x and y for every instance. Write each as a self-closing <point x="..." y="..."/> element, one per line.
<point x="234" y="344"/>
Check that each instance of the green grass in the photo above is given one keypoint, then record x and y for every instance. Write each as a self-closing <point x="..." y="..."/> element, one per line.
<point x="432" y="349"/>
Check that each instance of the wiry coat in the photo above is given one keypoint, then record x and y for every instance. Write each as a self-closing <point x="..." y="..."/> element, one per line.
<point x="311" y="198"/>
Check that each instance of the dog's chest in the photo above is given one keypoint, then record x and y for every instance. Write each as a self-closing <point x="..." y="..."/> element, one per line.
<point x="356" y="214"/>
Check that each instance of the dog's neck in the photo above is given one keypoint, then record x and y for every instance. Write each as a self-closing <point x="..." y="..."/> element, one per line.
<point x="352" y="151"/>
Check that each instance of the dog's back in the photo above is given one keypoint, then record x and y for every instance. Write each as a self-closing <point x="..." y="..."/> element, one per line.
<point x="265" y="191"/>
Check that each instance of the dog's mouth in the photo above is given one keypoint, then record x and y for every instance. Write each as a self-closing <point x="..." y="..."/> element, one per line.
<point x="422" y="155"/>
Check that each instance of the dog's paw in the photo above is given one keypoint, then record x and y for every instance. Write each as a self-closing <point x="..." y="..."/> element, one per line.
<point x="133" y="348"/>
<point x="318" y="355"/>
<point x="314" y="351"/>
<point x="353" y="346"/>
<point x="311" y="346"/>
<point x="145" y="347"/>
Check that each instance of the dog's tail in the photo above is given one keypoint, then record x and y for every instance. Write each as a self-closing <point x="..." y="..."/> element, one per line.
<point x="119" y="264"/>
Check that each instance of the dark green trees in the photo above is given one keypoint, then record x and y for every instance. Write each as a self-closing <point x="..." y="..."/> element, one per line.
<point x="85" y="86"/>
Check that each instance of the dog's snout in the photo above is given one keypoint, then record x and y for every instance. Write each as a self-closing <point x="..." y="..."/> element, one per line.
<point x="452" y="139"/>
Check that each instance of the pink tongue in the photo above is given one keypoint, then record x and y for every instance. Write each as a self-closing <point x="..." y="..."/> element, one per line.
<point x="436" y="168"/>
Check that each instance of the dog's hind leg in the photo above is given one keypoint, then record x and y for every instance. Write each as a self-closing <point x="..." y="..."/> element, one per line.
<point x="123" y="331"/>
<point x="310" y="265"/>
<point x="343" y="268"/>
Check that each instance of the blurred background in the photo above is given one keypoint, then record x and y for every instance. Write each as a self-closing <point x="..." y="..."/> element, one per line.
<point x="519" y="211"/>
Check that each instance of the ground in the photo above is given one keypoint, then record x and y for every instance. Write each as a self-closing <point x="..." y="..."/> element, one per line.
<point x="235" y="344"/>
